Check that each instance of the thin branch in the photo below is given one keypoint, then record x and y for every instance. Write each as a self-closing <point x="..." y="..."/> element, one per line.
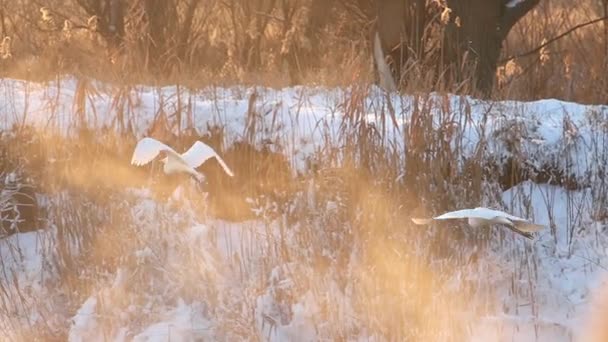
<point x="552" y="40"/>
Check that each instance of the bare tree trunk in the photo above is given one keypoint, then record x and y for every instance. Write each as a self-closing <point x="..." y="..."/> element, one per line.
<point x="605" y="9"/>
<point x="162" y="25"/>
<point x="418" y="12"/>
<point x="2" y="19"/>
<point x="186" y="29"/>
<point x="392" y="33"/>
<point x="473" y="36"/>
<point x="155" y="15"/>
<point x="110" y="14"/>
<point x="116" y="26"/>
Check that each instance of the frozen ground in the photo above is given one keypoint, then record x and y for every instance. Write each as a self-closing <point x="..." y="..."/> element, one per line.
<point x="541" y="289"/>
<point x="299" y="120"/>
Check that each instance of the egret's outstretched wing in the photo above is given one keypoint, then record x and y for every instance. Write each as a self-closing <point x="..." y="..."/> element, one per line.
<point x="488" y="213"/>
<point x="517" y="224"/>
<point x="452" y="215"/>
<point x="147" y="149"/>
<point x="200" y="153"/>
<point x="460" y="214"/>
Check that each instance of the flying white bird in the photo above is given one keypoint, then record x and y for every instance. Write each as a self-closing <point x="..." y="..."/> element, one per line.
<point x="148" y="149"/>
<point x="484" y="217"/>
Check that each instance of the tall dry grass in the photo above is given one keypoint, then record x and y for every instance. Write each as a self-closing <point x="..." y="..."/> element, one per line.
<point x="280" y="43"/>
<point x="339" y="235"/>
<point x="571" y="68"/>
<point x="342" y="230"/>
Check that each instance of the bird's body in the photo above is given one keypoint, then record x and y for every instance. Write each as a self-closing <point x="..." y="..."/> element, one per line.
<point x="148" y="149"/>
<point x="173" y="165"/>
<point x="484" y="217"/>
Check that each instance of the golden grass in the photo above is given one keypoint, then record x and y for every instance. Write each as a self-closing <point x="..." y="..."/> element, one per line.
<point x="398" y="294"/>
<point x="572" y="68"/>
<point x="394" y="290"/>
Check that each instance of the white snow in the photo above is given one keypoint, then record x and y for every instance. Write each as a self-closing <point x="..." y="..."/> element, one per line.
<point x="26" y="271"/>
<point x="559" y="277"/>
<point x="304" y="118"/>
<point x="84" y="327"/>
<point x="184" y="323"/>
<point x="555" y="275"/>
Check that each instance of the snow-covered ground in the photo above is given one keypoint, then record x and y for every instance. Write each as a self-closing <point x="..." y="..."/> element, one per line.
<point x="536" y="290"/>
<point x="300" y="120"/>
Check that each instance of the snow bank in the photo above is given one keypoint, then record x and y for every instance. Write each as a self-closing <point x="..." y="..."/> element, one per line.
<point x="299" y="120"/>
<point x="26" y="272"/>
<point x="184" y="323"/>
<point x="554" y="275"/>
<point x="555" y="278"/>
<point x="559" y="275"/>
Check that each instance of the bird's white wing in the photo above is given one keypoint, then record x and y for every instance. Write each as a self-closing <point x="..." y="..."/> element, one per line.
<point x="482" y="213"/>
<point x="498" y="213"/>
<point x="452" y="215"/>
<point x="520" y="223"/>
<point x="200" y="153"/>
<point x="489" y="213"/>
<point x="459" y="214"/>
<point x="147" y="149"/>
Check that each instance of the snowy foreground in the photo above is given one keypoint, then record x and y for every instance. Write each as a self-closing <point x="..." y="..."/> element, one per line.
<point x="540" y="290"/>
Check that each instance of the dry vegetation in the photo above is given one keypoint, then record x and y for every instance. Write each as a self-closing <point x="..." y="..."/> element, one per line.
<point x="98" y="237"/>
<point x="274" y="43"/>
<point x="279" y="43"/>
<point x="572" y="68"/>
<point x="339" y="235"/>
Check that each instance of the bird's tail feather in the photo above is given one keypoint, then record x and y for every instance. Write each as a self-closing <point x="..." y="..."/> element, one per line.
<point x="522" y="233"/>
<point x="529" y="227"/>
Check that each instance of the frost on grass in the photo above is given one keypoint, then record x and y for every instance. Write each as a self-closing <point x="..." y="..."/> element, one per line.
<point x="178" y="274"/>
<point x="301" y="121"/>
<point x="27" y="275"/>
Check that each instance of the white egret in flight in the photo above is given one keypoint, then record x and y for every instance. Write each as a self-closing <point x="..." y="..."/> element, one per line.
<point x="148" y="149"/>
<point x="484" y="217"/>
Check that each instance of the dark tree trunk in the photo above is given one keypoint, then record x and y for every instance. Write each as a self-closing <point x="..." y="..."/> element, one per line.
<point x="2" y="20"/>
<point x="116" y="22"/>
<point x="186" y="29"/>
<point x="484" y="25"/>
<point x="474" y="42"/>
<point x="399" y="32"/>
<point x="111" y="23"/>
<point x="401" y="26"/>
<point x="156" y="17"/>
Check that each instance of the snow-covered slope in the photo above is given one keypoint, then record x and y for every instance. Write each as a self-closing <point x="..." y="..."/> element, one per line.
<point x="191" y="277"/>
<point x="300" y="120"/>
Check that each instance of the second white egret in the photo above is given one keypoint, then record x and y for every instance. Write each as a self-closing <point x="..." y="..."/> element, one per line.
<point x="484" y="217"/>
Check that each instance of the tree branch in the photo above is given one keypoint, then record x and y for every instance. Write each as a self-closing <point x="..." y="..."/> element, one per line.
<point x="560" y="36"/>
